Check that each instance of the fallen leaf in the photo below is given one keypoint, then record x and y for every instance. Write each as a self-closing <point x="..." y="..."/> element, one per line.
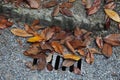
<point x="76" y="71"/>
<point x="46" y="46"/>
<point x="50" y="4"/>
<point x="110" y="5"/>
<point x="47" y="33"/>
<point x="112" y="39"/>
<point x="68" y="63"/>
<point x="66" y="12"/>
<point x="34" y="3"/>
<point x="37" y="38"/>
<point x="112" y="14"/>
<point x="56" y="11"/>
<point x="69" y="46"/>
<point x="76" y="43"/>
<point x="99" y="42"/>
<point x="66" y="5"/>
<point x="29" y="30"/>
<point x="41" y="63"/>
<point x="59" y="36"/>
<point x="89" y="58"/>
<point x="33" y="50"/>
<point x="77" y="32"/>
<point x="107" y="50"/>
<point x="57" y="47"/>
<point x="81" y="52"/>
<point x="93" y="50"/>
<point x="72" y="57"/>
<point x="4" y="23"/>
<point x="49" y="57"/>
<point x="107" y="23"/>
<point x="35" y="22"/>
<point x="71" y="1"/>
<point x="20" y="32"/>
<point x="94" y="8"/>
<point x="49" y="67"/>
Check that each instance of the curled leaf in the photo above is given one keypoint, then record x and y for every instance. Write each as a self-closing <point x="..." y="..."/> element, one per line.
<point x="89" y="58"/>
<point x="99" y="42"/>
<point x="69" y="46"/>
<point x="113" y="15"/>
<point x="20" y="32"/>
<point x="81" y="52"/>
<point x="72" y="57"/>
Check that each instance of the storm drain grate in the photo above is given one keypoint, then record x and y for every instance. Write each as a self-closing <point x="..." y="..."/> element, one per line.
<point x="57" y="61"/>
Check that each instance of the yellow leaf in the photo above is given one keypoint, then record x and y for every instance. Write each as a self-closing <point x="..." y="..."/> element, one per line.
<point x="112" y="14"/>
<point x="37" y="38"/>
<point x="71" y="56"/>
<point x="20" y="32"/>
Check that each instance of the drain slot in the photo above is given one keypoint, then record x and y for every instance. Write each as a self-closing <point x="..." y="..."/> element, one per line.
<point x="57" y="62"/>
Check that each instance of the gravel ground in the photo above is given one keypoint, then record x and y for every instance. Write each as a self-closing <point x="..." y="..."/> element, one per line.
<point x="12" y="60"/>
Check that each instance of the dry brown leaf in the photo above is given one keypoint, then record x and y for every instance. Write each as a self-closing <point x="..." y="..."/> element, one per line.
<point x="99" y="42"/>
<point x="93" y="50"/>
<point x="77" y="43"/>
<point x="110" y="5"/>
<point x="67" y="38"/>
<point x="50" y="4"/>
<point x="94" y="8"/>
<point x="29" y="30"/>
<point x="66" y="5"/>
<point x="112" y="14"/>
<point x="68" y="63"/>
<point x="41" y="63"/>
<point x="81" y="52"/>
<point x="49" y="67"/>
<point x="76" y="71"/>
<point x="60" y="35"/>
<point x="4" y="23"/>
<point x="107" y="50"/>
<point x="89" y="58"/>
<point x="33" y="50"/>
<point x="107" y="23"/>
<point x="34" y="3"/>
<point x="35" y="22"/>
<point x="69" y="46"/>
<point x="20" y="32"/>
<point x="77" y="32"/>
<point x="56" y="11"/>
<point x="72" y="57"/>
<point x="49" y="57"/>
<point x="57" y="47"/>
<point x="71" y="1"/>
<point x="66" y="12"/>
<point x="47" y="33"/>
<point x="112" y="39"/>
<point x="46" y="46"/>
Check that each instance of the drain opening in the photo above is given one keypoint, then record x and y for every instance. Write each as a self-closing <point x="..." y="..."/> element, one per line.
<point x="57" y="62"/>
<point x="34" y="61"/>
<point x="79" y="64"/>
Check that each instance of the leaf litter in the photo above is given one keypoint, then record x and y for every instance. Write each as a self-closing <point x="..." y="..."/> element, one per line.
<point x="55" y="39"/>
